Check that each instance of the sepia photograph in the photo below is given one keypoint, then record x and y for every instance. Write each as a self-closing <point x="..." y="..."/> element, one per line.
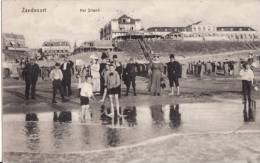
<point x="128" y="81"/>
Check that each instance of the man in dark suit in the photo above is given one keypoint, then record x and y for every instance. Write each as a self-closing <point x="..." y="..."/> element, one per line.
<point x="67" y="71"/>
<point x="174" y="71"/>
<point x="129" y="75"/>
<point x="31" y="72"/>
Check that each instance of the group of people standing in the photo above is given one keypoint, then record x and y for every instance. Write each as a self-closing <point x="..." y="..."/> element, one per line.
<point x="60" y="76"/>
<point x="201" y="68"/>
<point x="104" y="78"/>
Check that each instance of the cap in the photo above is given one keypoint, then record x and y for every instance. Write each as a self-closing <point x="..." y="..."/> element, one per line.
<point x="57" y="64"/>
<point x="115" y="56"/>
<point x="104" y="55"/>
<point x="172" y="56"/>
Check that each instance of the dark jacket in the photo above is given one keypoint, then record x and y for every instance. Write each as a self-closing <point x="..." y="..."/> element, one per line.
<point x="174" y="69"/>
<point x="130" y="70"/>
<point x="31" y="72"/>
<point x="68" y="71"/>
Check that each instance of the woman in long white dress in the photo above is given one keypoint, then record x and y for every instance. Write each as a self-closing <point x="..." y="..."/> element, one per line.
<point x="94" y="70"/>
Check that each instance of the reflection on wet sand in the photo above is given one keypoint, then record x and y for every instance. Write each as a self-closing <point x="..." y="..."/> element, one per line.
<point x="63" y="131"/>
<point x="157" y="114"/>
<point x="113" y="137"/>
<point x="130" y="115"/>
<point x="249" y="111"/>
<point x="175" y="116"/>
<point x="31" y="117"/>
<point x="64" y="116"/>
<point x="32" y="131"/>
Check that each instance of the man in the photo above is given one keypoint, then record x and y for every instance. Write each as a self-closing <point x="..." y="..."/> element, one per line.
<point x="119" y="70"/>
<point x="56" y="77"/>
<point x="31" y="73"/>
<point x="247" y="77"/>
<point x="129" y="75"/>
<point x="67" y="71"/>
<point x="174" y="73"/>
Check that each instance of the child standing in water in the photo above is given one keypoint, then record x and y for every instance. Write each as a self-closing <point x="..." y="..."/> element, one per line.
<point x="86" y="93"/>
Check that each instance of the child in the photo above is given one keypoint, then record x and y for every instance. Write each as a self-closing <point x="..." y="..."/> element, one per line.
<point x="86" y="93"/>
<point x="56" y="77"/>
<point x="112" y="88"/>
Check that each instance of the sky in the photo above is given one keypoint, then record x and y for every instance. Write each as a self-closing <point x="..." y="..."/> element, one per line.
<point x="63" y="19"/>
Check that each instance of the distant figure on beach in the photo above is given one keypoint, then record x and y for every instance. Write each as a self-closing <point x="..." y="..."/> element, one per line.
<point x="56" y="76"/>
<point x="174" y="72"/>
<point x="247" y="77"/>
<point x="67" y="71"/>
<point x="31" y="72"/>
<point x="156" y="70"/>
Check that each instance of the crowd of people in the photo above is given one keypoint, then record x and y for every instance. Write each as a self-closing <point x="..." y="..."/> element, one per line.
<point x="211" y="68"/>
<point x="105" y="78"/>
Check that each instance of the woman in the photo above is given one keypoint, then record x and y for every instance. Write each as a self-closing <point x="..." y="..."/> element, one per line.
<point x="103" y="68"/>
<point x="156" y="70"/>
<point x="94" y="71"/>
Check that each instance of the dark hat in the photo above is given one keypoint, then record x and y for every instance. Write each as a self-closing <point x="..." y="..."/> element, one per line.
<point x="111" y="64"/>
<point x="104" y="55"/>
<point x="115" y="56"/>
<point x="172" y="56"/>
<point x="57" y="64"/>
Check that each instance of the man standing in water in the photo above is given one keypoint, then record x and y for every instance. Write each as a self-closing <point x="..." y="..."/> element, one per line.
<point x="31" y="73"/>
<point x="174" y="73"/>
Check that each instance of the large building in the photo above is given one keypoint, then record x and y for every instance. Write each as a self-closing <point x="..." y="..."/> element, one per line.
<point x="13" y="46"/>
<point x="56" y="48"/>
<point x="120" y="27"/>
<point x="98" y="45"/>
<point x="200" y="31"/>
<point x="163" y="31"/>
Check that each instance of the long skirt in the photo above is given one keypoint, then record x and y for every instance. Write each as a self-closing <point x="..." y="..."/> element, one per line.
<point x="96" y="84"/>
<point x="156" y="82"/>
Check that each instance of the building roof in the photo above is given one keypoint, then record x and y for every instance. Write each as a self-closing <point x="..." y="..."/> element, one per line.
<point x="98" y="44"/>
<point x="235" y="28"/>
<point x="165" y="29"/>
<point x="56" y="42"/>
<point x="129" y="20"/>
<point x="12" y="35"/>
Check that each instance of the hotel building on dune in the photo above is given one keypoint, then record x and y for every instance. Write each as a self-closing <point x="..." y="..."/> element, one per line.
<point x="126" y="27"/>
